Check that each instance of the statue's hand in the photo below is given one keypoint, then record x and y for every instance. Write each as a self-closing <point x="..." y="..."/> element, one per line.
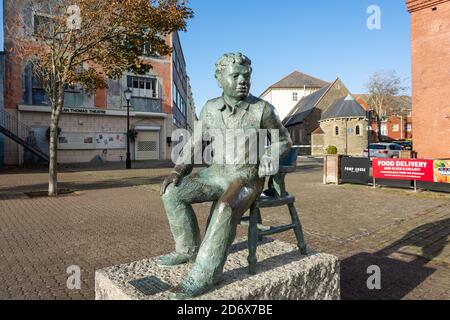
<point x="174" y="178"/>
<point x="267" y="167"/>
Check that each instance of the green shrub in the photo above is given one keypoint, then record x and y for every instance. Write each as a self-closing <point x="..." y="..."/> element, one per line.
<point x="332" y="150"/>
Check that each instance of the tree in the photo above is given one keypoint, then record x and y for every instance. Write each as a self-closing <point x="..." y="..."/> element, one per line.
<point x="86" y="42"/>
<point x="383" y="88"/>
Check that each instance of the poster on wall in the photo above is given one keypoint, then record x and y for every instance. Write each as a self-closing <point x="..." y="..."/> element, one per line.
<point x="437" y="171"/>
<point x="76" y="141"/>
<point x="91" y="141"/>
<point x="110" y="141"/>
<point x="37" y="137"/>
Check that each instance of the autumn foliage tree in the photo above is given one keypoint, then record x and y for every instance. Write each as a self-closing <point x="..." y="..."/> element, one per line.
<point x="86" y="42"/>
<point x="384" y="88"/>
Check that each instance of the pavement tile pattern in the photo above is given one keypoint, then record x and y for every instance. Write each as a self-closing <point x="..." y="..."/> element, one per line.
<point x="114" y="216"/>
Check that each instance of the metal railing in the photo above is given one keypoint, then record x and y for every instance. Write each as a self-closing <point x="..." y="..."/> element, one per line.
<point x="18" y="131"/>
<point x="13" y="125"/>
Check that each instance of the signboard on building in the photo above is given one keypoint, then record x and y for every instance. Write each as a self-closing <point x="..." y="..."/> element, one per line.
<point x="355" y="170"/>
<point x="412" y="169"/>
<point x="79" y="110"/>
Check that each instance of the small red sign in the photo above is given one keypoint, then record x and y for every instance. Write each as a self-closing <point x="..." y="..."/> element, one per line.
<point x="403" y="169"/>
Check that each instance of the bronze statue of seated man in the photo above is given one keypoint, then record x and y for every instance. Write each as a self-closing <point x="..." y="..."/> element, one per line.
<point x="233" y="186"/>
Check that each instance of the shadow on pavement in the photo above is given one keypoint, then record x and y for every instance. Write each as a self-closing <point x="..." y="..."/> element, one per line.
<point x="403" y="264"/>
<point x="19" y="191"/>
<point x="83" y="167"/>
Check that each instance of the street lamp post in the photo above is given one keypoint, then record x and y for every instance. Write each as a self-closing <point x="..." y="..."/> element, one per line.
<point x="369" y="130"/>
<point x="128" y="94"/>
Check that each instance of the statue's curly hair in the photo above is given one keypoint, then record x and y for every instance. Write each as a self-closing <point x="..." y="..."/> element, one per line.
<point x="231" y="58"/>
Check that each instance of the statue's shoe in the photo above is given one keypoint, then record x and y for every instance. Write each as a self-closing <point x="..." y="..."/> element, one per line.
<point x="183" y="292"/>
<point x="174" y="259"/>
<point x="191" y="288"/>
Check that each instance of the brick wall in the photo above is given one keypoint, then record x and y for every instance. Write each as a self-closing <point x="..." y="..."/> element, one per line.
<point x="402" y="124"/>
<point x="430" y="32"/>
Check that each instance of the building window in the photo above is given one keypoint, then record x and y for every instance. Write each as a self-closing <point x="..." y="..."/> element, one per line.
<point x="143" y="87"/>
<point x="182" y="105"/>
<point x="358" y="130"/>
<point x="178" y="100"/>
<point x="39" y="97"/>
<point x="395" y="128"/>
<point x="147" y="48"/>
<point x="294" y="96"/>
<point x="175" y="94"/>
<point x="73" y="96"/>
<point x="42" y="24"/>
<point x="384" y="129"/>
<point x="336" y="130"/>
<point x="409" y="127"/>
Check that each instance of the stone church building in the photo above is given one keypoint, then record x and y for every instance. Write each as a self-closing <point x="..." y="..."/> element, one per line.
<point x="304" y="118"/>
<point x="344" y="126"/>
<point x="328" y="117"/>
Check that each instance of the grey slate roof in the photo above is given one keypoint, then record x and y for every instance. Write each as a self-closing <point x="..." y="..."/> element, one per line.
<point x="299" y="80"/>
<point x="344" y="108"/>
<point x="304" y="107"/>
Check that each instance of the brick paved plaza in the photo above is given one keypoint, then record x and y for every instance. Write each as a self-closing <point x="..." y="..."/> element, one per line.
<point x="116" y="216"/>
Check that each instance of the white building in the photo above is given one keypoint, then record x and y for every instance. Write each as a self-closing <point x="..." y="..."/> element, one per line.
<point x="286" y="93"/>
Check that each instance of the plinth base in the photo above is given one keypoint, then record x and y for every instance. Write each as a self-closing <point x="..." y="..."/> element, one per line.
<point x="283" y="274"/>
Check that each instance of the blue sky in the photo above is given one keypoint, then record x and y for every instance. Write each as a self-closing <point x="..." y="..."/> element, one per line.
<point x="323" y="38"/>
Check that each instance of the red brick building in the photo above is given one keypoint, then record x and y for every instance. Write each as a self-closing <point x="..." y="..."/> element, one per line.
<point x="396" y="127"/>
<point x="93" y="126"/>
<point x="430" y="33"/>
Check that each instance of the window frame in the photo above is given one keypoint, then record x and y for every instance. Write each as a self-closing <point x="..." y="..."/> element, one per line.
<point x="395" y="127"/>
<point x="45" y="16"/>
<point x="144" y="83"/>
<point x="336" y="130"/>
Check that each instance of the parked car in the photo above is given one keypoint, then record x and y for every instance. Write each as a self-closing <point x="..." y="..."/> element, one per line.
<point x="405" y="144"/>
<point x="384" y="150"/>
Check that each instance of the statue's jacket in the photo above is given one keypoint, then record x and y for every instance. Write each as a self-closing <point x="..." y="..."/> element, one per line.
<point x="233" y="140"/>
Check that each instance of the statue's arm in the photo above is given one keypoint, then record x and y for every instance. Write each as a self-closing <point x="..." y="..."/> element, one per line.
<point x="193" y="149"/>
<point x="271" y="121"/>
<point x="186" y="160"/>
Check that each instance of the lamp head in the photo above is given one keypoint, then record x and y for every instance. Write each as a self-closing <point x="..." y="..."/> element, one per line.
<point x="127" y="93"/>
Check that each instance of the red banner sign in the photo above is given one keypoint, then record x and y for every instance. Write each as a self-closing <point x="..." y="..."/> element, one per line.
<point x="404" y="169"/>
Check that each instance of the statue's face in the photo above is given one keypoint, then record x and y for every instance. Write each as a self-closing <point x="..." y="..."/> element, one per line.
<point x="235" y="81"/>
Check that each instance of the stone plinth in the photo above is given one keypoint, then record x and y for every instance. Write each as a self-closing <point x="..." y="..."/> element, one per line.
<point x="282" y="274"/>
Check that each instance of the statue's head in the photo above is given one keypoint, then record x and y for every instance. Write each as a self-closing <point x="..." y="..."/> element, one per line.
<point x="233" y="74"/>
